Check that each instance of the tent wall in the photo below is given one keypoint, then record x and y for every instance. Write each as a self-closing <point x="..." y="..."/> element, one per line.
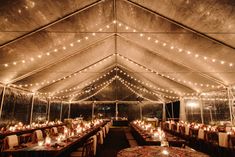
<point x="16" y="107"/>
<point x="39" y="110"/>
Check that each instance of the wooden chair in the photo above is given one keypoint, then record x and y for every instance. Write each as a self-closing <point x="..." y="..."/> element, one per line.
<point x="25" y="138"/>
<point x="100" y="139"/>
<point x="212" y="142"/>
<point x="38" y="136"/>
<point x="11" y="142"/>
<point x="87" y="149"/>
<point x="54" y="131"/>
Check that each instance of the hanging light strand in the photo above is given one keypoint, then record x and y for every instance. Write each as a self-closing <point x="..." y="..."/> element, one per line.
<point x="54" y="51"/>
<point x="169" y="77"/>
<point x="146" y="90"/>
<point x="84" y="92"/>
<point x="180" y="50"/>
<point x="79" y="86"/>
<point x="47" y="82"/>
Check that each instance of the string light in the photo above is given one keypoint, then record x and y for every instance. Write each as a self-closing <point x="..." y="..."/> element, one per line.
<point x="133" y="91"/>
<point x="80" y="86"/>
<point x="145" y="90"/>
<point x="105" y="84"/>
<point x="171" y="78"/>
<point x="51" y="51"/>
<point x="146" y="84"/>
<point x="205" y="58"/>
<point x="71" y="75"/>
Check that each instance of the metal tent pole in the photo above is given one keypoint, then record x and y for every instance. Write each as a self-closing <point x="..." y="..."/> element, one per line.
<point x="163" y="112"/>
<point x="61" y="109"/>
<point x="69" y="110"/>
<point x="230" y="103"/>
<point x="2" y="100"/>
<point x="172" y="110"/>
<point x="49" y="110"/>
<point x="201" y="109"/>
<point x="93" y="111"/>
<point x="141" y="111"/>
<point x="31" y="113"/>
<point x="116" y="109"/>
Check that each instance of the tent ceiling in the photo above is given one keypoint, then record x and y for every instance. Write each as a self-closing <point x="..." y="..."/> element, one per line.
<point x="53" y="49"/>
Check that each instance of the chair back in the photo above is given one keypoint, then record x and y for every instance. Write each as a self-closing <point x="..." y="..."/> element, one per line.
<point x="55" y="130"/>
<point x="11" y="141"/>
<point x="178" y="127"/>
<point x="212" y="137"/>
<point x="100" y="139"/>
<point x="39" y="135"/>
<point x="94" y="137"/>
<point x="187" y="130"/>
<point x="232" y="141"/>
<point x="107" y="128"/>
<point x="104" y="132"/>
<point x="223" y="139"/>
<point x="201" y="134"/>
<point x="87" y="150"/>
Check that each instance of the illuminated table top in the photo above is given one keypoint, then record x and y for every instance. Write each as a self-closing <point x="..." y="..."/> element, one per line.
<point x="157" y="151"/>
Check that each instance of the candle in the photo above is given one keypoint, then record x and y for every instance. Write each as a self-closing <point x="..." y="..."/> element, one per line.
<point x="48" y="141"/>
<point x="40" y="143"/>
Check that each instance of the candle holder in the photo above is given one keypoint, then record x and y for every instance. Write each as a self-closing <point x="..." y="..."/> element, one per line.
<point x="40" y="143"/>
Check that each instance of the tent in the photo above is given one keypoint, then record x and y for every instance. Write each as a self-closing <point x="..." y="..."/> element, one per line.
<point x="60" y="53"/>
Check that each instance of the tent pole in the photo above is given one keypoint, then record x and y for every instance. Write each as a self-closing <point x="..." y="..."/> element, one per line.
<point x="201" y="109"/>
<point x="230" y="103"/>
<point x="163" y="112"/>
<point x="2" y="100"/>
<point x="116" y="109"/>
<point x="61" y="108"/>
<point x="31" y="113"/>
<point x="69" y="110"/>
<point x="141" y="112"/>
<point x="172" y="110"/>
<point x="49" y="110"/>
<point x="93" y="110"/>
<point x="182" y="109"/>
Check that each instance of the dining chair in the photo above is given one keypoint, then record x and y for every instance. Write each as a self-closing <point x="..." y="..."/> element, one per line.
<point x="25" y="138"/>
<point x="100" y="139"/>
<point x="54" y="131"/>
<point x="10" y="142"/>
<point x="107" y="128"/>
<point x="212" y="142"/>
<point x="37" y="136"/>
<point x="87" y="149"/>
<point x="104" y="132"/>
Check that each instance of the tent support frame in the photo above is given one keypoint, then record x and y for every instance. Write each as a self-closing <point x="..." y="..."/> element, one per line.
<point x="2" y="100"/>
<point x="31" y="112"/>
<point x="230" y="102"/>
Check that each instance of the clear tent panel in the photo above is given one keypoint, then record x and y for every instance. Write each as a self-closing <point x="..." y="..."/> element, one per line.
<point x="193" y="111"/>
<point x="65" y="111"/>
<point x="127" y="110"/>
<point x="55" y="110"/>
<point x="81" y="110"/>
<point x="16" y="107"/>
<point x="107" y="110"/>
<point x="40" y="107"/>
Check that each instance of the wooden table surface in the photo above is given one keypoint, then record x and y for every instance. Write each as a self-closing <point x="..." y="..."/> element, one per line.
<point x="157" y="151"/>
<point x="146" y="138"/>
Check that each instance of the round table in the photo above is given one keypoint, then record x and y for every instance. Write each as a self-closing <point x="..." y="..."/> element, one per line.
<point x="157" y="151"/>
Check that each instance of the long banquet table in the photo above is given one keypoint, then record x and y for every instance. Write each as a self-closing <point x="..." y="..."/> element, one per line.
<point x="157" y="151"/>
<point x="145" y="139"/>
<point x="20" y="132"/>
<point x="56" y="149"/>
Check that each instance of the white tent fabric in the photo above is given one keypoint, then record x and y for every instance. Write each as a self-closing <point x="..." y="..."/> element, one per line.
<point x="171" y="48"/>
